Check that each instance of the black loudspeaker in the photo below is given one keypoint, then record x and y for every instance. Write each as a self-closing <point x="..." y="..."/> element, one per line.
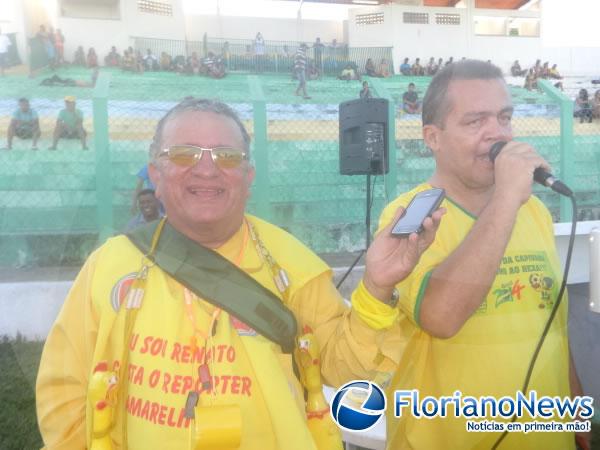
<point x="363" y="137"/>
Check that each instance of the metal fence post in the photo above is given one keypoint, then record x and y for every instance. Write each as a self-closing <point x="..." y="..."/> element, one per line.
<point x="567" y="158"/>
<point x="261" y="149"/>
<point x="104" y="212"/>
<point x="391" y="180"/>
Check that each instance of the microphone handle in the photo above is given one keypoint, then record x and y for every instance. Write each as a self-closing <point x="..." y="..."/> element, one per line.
<point x="541" y="176"/>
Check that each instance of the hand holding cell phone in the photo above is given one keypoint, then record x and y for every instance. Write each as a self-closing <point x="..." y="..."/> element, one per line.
<point x="390" y="260"/>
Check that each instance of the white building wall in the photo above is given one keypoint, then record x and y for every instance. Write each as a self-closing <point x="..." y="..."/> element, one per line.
<point x="272" y="29"/>
<point x="426" y="40"/>
<point x="104" y="33"/>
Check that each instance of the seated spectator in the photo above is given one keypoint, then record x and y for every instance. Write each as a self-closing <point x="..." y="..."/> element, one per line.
<point x="384" y="69"/>
<point x="213" y="66"/>
<point x="139" y="61"/>
<point x="553" y="73"/>
<point x="69" y="124"/>
<point x="207" y="63"/>
<point x="179" y="64"/>
<point x="583" y="106"/>
<point x="545" y="71"/>
<point x="113" y="59"/>
<point x="537" y="68"/>
<point x="79" y="57"/>
<point x="531" y="80"/>
<point x="166" y="61"/>
<point x="516" y="71"/>
<point x="365" y="92"/>
<point x="410" y="100"/>
<point x="450" y="61"/>
<point x="150" y="61"/>
<point x="405" y="68"/>
<point x="192" y="66"/>
<point x="92" y="58"/>
<point x="370" y="68"/>
<point x="417" y="69"/>
<point x="596" y="105"/>
<point x="24" y="124"/>
<point x="149" y="209"/>
<point x="440" y="63"/>
<point x="431" y="68"/>
<point x="128" y="61"/>
<point x="348" y="73"/>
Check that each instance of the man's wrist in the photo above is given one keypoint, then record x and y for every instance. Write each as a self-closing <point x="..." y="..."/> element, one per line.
<point x="504" y="205"/>
<point x="387" y="295"/>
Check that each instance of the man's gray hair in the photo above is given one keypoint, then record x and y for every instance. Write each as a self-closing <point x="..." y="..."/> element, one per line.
<point x="202" y="105"/>
<point x="436" y="105"/>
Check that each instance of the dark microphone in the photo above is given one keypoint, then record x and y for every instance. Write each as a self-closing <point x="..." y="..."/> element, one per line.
<point x="539" y="175"/>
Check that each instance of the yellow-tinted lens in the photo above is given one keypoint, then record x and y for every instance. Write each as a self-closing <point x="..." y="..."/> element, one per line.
<point x="226" y="157"/>
<point x="183" y="155"/>
<point x="188" y="155"/>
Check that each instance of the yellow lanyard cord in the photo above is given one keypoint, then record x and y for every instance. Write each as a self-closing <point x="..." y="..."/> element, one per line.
<point x="133" y="302"/>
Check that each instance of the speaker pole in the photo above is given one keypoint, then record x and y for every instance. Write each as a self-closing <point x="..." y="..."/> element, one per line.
<point x="368" y="214"/>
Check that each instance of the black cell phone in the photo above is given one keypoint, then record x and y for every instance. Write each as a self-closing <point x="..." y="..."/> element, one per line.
<point x="420" y="207"/>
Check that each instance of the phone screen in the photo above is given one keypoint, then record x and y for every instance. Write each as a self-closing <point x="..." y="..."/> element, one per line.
<point x="416" y="212"/>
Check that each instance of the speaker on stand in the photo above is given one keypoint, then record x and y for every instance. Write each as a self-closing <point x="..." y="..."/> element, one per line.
<point x="363" y="142"/>
<point x="364" y="148"/>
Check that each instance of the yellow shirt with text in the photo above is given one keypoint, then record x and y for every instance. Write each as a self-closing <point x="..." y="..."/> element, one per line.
<point x="490" y="354"/>
<point x="163" y="362"/>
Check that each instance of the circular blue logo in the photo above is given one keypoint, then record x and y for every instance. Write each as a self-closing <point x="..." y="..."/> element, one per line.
<point x="358" y="405"/>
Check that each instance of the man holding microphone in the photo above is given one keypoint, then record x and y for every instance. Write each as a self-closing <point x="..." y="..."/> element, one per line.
<point x="474" y="307"/>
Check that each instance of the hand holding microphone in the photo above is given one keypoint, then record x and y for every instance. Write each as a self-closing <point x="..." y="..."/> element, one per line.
<point x="541" y="174"/>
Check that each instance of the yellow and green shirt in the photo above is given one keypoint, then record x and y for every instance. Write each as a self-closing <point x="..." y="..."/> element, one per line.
<point x="490" y="355"/>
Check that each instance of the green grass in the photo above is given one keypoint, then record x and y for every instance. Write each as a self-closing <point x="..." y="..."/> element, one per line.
<point x="19" y="361"/>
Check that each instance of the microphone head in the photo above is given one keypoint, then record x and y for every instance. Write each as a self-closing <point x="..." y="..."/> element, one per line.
<point x="495" y="149"/>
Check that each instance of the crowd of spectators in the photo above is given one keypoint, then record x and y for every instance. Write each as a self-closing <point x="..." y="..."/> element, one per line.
<point x="586" y="108"/>
<point x="417" y="69"/>
<point x="537" y="71"/>
<point x="211" y="65"/>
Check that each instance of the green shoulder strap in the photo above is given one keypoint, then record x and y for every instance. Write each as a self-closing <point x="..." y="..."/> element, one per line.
<point x="216" y="280"/>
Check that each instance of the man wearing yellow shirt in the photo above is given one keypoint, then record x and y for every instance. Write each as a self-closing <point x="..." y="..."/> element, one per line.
<point x="475" y="305"/>
<point x="156" y="347"/>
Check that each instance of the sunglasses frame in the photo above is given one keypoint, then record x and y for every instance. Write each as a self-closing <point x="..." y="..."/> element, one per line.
<point x="198" y="155"/>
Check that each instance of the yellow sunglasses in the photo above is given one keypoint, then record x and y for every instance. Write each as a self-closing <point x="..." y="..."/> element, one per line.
<point x="189" y="155"/>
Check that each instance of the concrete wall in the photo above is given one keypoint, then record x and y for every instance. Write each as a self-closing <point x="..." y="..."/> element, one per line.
<point x="104" y="33"/>
<point x="466" y="39"/>
<point x="271" y="29"/>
